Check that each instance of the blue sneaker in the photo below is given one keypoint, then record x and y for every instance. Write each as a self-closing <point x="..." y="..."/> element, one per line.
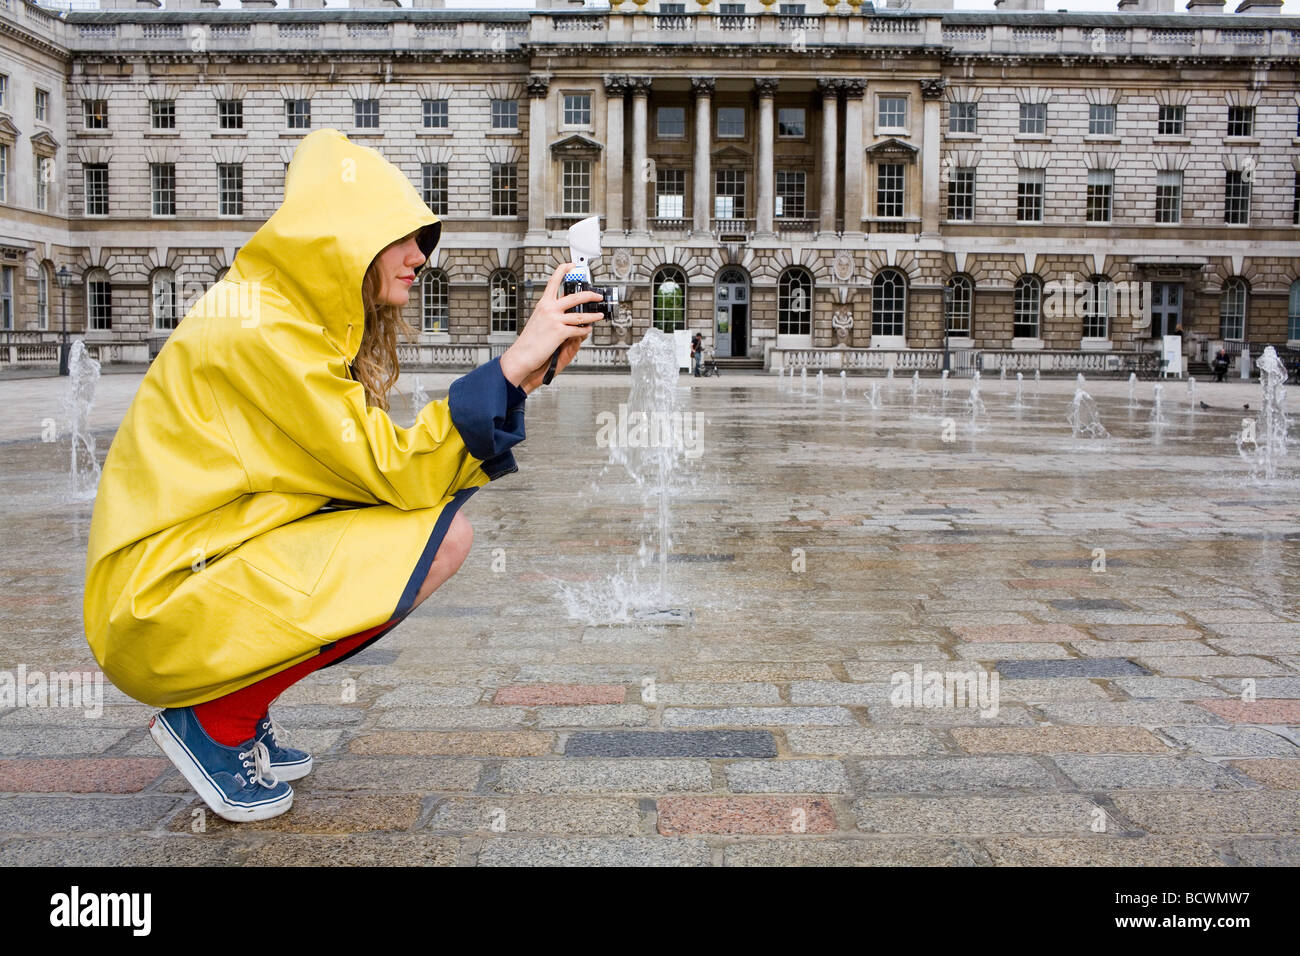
<point x="236" y="782"/>
<point x="286" y="762"/>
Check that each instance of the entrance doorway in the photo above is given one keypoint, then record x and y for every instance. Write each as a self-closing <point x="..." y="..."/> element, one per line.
<point x="731" y="313"/>
<point x="1166" y="308"/>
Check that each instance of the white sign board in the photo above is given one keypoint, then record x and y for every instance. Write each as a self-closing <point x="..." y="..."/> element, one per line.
<point x="1173" y="355"/>
<point x="682" y="339"/>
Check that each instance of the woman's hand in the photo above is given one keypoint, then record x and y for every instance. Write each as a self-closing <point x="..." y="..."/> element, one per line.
<point x="549" y="327"/>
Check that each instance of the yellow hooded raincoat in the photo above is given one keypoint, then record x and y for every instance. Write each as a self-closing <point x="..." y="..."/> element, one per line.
<point x="211" y="564"/>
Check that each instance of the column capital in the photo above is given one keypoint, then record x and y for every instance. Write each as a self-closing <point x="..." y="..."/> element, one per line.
<point x="830" y="85"/>
<point x="853" y="85"/>
<point x="538" y="86"/>
<point x="766" y="85"/>
<point x="640" y="85"/>
<point x="932" y="87"/>
<point x="702" y="85"/>
<point x="616" y="84"/>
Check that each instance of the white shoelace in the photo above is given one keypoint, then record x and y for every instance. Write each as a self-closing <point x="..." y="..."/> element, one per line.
<point x="261" y="771"/>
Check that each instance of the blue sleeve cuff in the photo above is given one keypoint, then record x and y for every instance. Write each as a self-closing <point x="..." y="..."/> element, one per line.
<point x="488" y="411"/>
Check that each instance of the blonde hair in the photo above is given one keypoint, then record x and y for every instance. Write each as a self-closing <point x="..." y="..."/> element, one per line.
<point x="376" y="366"/>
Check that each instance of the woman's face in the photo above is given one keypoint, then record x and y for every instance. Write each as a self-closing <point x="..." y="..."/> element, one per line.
<point x="397" y="265"/>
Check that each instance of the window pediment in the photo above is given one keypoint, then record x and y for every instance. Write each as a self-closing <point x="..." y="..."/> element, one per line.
<point x="576" y="145"/>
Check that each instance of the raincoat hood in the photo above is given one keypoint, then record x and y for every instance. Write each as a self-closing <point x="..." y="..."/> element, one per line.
<point x="343" y="203"/>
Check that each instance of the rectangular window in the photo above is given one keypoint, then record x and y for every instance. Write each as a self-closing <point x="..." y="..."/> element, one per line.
<point x="1033" y="118"/>
<point x="505" y="114"/>
<point x="1236" y="199"/>
<point x="96" y="176"/>
<point x="230" y="189"/>
<point x="1101" y="186"/>
<point x="729" y="194"/>
<point x="892" y="112"/>
<point x="670" y="194"/>
<point x="1171" y="119"/>
<point x="162" y="114"/>
<point x="791" y="186"/>
<point x="4" y="91"/>
<point x="297" y="114"/>
<point x="94" y="114"/>
<point x="505" y="195"/>
<point x="576" y="186"/>
<point x="670" y="122"/>
<point x="99" y="303"/>
<point x="963" y="117"/>
<point x="889" y="190"/>
<point x="1030" y="187"/>
<point x="433" y="187"/>
<point x="230" y="114"/>
<point x="1295" y="201"/>
<point x="162" y="188"/>
<point x="1241" y="121"/>
<point x="1101" y="119"/>
<point x="577" y="109"/>
<point x="4" y="173"/>
<point x="42" y="298"/>
<point x="44" y="173"/>
<point x="434" y="113"/>
<point x="7" y="298"/>
<point x="961" y="194"/>
<point x="42" y="106"/>
<point x="365" y="113"/>
<point x="1169" y="195"/>
<point x="731" y="122"/>
<point x="791" y="122"/>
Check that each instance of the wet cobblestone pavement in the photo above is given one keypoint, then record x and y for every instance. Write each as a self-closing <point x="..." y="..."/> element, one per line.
<point x="1147" y="706"/>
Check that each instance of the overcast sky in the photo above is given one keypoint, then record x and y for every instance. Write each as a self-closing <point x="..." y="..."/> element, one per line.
<point x="1288" y="6"/>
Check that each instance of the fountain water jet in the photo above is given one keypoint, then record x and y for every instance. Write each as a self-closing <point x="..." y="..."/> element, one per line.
<point x="1272" y="426"/>
<point x="1083" y="417"/>
<point x="1020" y="386"/>
<point x="83" y="376"/>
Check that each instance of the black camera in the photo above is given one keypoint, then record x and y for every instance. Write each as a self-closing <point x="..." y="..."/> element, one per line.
<point x="607" y="306"/>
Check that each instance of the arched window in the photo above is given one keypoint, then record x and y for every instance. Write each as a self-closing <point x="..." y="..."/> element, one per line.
<point x="503" y="301"/>
<point x="1293" y="312"/>
<point x="221" y="274"/>
<point x="794" y="297"/>
<point x="1026" y="307"/>
<point x="1096" y="307"/>
<point x="99" y="300"/>
<point x="162" y="294"/>
<point x="434" y="308"/>
<point x="669" y="299"/>
<point x="888" y="302"/>
<point x="1232" y="309"/>
<point x="958" y="305"/>
<point x="43" y="285"/>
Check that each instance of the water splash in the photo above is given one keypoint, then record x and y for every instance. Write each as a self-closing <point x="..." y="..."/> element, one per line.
<point x="1083" y="417"/>
<point x="943" y="385"/>
<point x="819" y="381"/>
<point x="83" y="377"/>
<point x="1037" y="376"/>
<point x="1158" y="406"/>
<point x="844" y="386"/>
<point x="1020" y="389"/>
<point x="873" y="396"/>
<point x="1132" y="385"/>
<point x="889" y="379"/>
<point x="975" y="404"/>
<point x="651" y="456"/>
<point x="1002" y="380"/>
<point x="916" y="385"/>
<point x="1268" y="434"/>
<point x="803" y="379"/>
<point x="1191" y="394"/>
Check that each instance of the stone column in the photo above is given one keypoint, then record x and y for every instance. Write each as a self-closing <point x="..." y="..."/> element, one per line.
<point x="538" y="157"/>
<point x="830" y="89"/>
<point x="931" y="146"/>
<point x="640" y="167"/>
<point x="702" y="87"/>
<point x="615" y="87"/>
<point x="766" y="86"/>
<point x="854" y="89"/>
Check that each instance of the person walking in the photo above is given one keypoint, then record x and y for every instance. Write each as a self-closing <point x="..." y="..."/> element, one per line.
<point x="259" y="514"/>
<point x="697" y="352"/>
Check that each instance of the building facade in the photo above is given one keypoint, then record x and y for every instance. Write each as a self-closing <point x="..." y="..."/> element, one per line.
<point x="823" y="183"/>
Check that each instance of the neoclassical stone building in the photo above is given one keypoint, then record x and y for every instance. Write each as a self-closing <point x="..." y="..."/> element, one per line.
<point x="820" y="183"/>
